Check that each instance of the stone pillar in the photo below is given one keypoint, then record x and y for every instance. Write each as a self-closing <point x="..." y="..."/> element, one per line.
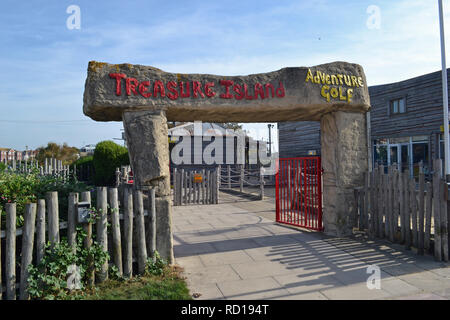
<point x="344" y="161"/>
<point x="148" y="146"/>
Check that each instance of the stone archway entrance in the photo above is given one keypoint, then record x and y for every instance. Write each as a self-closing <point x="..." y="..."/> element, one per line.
<point x="144" y="98"/>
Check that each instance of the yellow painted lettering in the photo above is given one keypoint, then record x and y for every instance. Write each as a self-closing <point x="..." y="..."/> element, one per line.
<point x="347" y="80"/>
<point x="309" y="76"/>
<point x="327" y="79"/>
<point x="354" y="82"/>
<point x="317" y="78"/>
<point x="325" y="94"/>
<point x="334" y="92"/>
<point x="349" y="95"/>
<point x="334" y="79"/>
<point x="341" y="96"/>
<point x="360" y="81"/>
<point x="340" y="76"/>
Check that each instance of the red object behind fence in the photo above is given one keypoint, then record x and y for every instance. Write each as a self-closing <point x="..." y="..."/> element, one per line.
<point x="299" y="192"/>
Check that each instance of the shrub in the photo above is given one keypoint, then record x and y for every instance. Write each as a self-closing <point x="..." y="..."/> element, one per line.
<point x="49" y="279"/>
<point x="107" y="157"/>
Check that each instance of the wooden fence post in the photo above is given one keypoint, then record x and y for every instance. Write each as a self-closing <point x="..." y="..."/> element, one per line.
<point x="72" y="220"/>
<point x="40" y="230"/>
<point x="218" y="180"/>
<point x="413" y="199"/>
<point x="183" y="186"/>
<point x="115" y="228"/>
<point x="102" y="223"/>
<point x="10" y="265"/>
<point x="261" y="182"/>
<point x="421" y="209"/>
<point x="366" y="200"/>
<point x="53" y="217"/>
<point x="1" y="282"/>
<point x="436" y="209"/>
<point x="428" y="215"/>
<point x="203" y="186"/>
<point x="407" y="217"/>
<point x="27" y="248"/>
<point x="175" y="187"/>
<point x="128" y="231"/>
<point x="87" y="227"/>
<point x="444" y="233"/>
<point x="241" y="179"/>
<point x="229" y="176"/>
<point x="152" y="223"/>
<point x="142" y="246"/>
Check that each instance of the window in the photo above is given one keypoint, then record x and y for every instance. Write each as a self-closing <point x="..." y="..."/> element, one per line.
<point x="397" y="106"/>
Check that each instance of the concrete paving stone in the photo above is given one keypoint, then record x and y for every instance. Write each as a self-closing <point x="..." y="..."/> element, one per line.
<point x="205" y="238"/>
<point x="254" y="289"/>
<point x="221" y="258"/>
<point x="190" y="249"/>
<point x="302" y="296"/>
<point x="198" y="226"/>
<point x="445" y="293"/>
<point x="295" y="283"/>
<point x="443" y="272"/>
<point x="355" y="292"/>
<point x="422" y="296"/>
<point x="207" y="292"/>
<point x="257" y="269"/>
<point x="234" y="244"/>
<point x="399" y="269"/>
<point x="426" y="280"/>
<point x="210" y="274"/>
<point x="276" y="239"/>
<point x="189" y="262"/>
<point x="355" y="275"/>
<point x="397" y="287"/>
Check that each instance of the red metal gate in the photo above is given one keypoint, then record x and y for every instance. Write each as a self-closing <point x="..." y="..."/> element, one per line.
<point x="299" y="192"/>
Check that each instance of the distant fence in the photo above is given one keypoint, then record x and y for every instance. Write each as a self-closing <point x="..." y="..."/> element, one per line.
<point x="195" y="186"/>
<point x="238" y="176"/>
<point x="124" y="229"/>
<point x="51" y="166"/>
<point x="393" y="206"/>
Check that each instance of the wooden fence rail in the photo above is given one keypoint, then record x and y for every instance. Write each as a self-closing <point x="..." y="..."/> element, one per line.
<point x="394" y="206"/>
<point x="128" y="241"/>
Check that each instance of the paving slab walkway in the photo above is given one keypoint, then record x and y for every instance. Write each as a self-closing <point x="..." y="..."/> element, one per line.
<point x="235" y="250"/>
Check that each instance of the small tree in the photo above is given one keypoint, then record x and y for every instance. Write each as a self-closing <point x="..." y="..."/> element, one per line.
<point x="107" y="157"/>
<point x="61" y="152"/>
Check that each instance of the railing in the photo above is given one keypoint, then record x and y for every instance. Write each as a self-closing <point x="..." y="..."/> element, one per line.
<point x="195" y="186"/>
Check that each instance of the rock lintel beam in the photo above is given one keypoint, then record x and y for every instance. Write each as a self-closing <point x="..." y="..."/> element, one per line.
<point x="289" y="94"/>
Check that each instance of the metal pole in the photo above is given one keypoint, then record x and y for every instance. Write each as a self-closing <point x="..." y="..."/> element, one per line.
<point x="444" y="92"/>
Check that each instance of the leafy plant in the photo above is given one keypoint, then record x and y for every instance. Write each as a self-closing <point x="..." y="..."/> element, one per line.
<point x="49" y="279"/>
<point x="155" y="266"/>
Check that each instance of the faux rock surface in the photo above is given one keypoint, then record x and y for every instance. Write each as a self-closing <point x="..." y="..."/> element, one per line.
<point x="302" y="98"/>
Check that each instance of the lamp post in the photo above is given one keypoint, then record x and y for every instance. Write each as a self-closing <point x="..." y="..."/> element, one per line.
<point x="444" y="93"/>
<point x="270" y="126"/>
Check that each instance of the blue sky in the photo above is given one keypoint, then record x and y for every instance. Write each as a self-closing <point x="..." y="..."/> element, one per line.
<point x="44" y="64"/>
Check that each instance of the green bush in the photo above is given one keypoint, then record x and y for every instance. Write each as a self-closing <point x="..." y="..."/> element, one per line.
<point x="83" y="160"/>
<point x="107" y="157"/>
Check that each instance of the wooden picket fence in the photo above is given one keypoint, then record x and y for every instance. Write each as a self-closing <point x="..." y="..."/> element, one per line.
<point x="239" y="176"/>
<point x="193" y="186"/>
<point x="394" y="206"/>
<point x="51" y="166"/>
<point x="131" y="228"/>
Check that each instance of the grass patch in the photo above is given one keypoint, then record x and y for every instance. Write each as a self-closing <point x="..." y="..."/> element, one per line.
<point x="167" y="286"/>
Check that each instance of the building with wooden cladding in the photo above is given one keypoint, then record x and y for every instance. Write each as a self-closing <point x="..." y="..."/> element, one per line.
<point x="406" y="125"/>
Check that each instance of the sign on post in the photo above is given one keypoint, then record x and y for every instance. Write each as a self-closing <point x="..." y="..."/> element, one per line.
<point x="83" y="212"/>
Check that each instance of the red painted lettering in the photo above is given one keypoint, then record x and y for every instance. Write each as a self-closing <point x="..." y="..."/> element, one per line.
<point x="118" y="77"/>
<point x="171" y="86"/>
<point x="269" y="85"/>
<point x="130" y="85"/>
<point x="238" y="89"/>
<point x="158" y="87"/>
<point x="280" y="91"/>
<point x="259" y="90"/>
<point x="196" y="89"/>
<point x="227" y="84"/>
<point x="143" y="87"/>
<point x="247" y="97"/>
<point x="186" y="94"/>
<point x="208" y="91"/>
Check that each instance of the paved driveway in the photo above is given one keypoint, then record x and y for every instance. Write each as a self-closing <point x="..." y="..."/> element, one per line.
<point x="234" y="250"/>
